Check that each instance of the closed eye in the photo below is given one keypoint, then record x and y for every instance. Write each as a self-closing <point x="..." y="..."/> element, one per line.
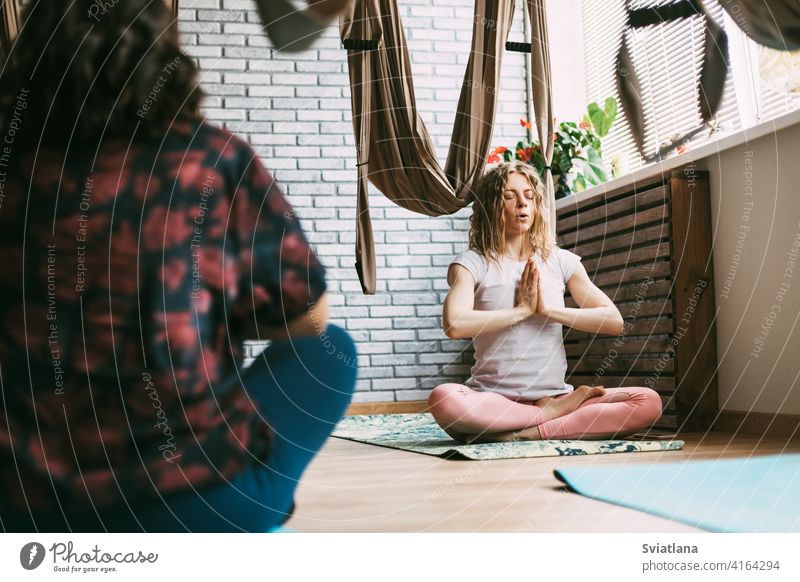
<point x="510" y="194"/>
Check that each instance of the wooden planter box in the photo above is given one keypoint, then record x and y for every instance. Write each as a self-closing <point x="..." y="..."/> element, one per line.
<point x="648" y="247"/>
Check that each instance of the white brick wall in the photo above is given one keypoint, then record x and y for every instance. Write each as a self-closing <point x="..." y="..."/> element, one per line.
<point x="295" y="110"/>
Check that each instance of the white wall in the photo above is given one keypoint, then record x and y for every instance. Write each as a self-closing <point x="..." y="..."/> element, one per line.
<point x="756" y="222"/>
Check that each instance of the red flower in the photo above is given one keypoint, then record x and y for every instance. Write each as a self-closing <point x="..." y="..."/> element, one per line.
<point x="524" y="155"/>
<point x="583" y="125"/>
<point x="494" y="155"/>
<point x="525" y="123"/>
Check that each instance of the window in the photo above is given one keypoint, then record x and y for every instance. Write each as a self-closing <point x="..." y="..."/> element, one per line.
<point x="767" y="80"/>
<point x="668" y="59"/>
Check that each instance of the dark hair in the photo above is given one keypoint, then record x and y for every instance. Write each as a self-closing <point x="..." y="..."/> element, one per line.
<point x="90" y="70"/>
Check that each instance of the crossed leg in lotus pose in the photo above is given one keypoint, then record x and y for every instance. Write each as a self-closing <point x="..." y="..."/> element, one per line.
<point x="589" y="412"/>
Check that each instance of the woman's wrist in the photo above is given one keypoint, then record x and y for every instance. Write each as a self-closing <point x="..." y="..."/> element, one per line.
<point x="523" y="311"/>
<point x="546" y="312"/>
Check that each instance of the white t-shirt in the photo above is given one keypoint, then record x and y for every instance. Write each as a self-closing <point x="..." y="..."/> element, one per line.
<point x="526" y="361"/>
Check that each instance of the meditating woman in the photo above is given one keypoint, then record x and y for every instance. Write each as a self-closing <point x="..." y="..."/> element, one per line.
<point x="140" y="246"/>
<point x="507" y="293"/>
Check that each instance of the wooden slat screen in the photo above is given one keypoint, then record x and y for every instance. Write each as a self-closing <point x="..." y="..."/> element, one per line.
<point x="625" y="240"/>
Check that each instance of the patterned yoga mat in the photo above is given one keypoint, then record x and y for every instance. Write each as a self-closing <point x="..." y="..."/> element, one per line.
<point x="419" y="433"/>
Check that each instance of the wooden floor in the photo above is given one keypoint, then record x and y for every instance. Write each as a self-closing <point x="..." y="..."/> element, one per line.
<point x="354" y="487"/>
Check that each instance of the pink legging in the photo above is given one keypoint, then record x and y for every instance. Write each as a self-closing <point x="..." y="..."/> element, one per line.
<point x="618" y="412"/>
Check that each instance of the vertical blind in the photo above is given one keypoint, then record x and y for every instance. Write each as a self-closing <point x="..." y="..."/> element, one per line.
<point x="667" y="58"/>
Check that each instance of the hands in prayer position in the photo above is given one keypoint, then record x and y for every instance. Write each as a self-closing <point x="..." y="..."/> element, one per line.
<point x="529" y="292"/>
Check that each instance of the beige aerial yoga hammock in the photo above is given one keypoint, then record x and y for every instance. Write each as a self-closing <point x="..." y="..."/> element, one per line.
<point x="394" y="150"/>
<point x="775" y="24"/>
<point x="9" y="27"/>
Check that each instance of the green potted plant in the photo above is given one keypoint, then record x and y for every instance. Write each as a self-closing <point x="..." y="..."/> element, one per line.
<point x="577" y="150"/>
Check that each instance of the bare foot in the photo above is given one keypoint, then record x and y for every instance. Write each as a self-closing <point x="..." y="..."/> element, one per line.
<point x="555" y="408"/>
<point x="551" y="408"/>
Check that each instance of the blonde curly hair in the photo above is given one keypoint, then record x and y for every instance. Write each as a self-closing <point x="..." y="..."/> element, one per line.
<point x="487" y="227"/>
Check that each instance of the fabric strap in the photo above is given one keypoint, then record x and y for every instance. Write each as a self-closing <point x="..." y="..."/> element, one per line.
<point x="773" y="23"/>
<point x="541" y="86"/>
<point x="291" y="29"/>
<point x="174" y="5"/>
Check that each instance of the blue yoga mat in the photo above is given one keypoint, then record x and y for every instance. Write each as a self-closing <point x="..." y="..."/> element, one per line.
<point x="759" y="494"/>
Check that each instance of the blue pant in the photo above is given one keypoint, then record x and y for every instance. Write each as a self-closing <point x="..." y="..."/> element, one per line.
<point x="303" y="387"/>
